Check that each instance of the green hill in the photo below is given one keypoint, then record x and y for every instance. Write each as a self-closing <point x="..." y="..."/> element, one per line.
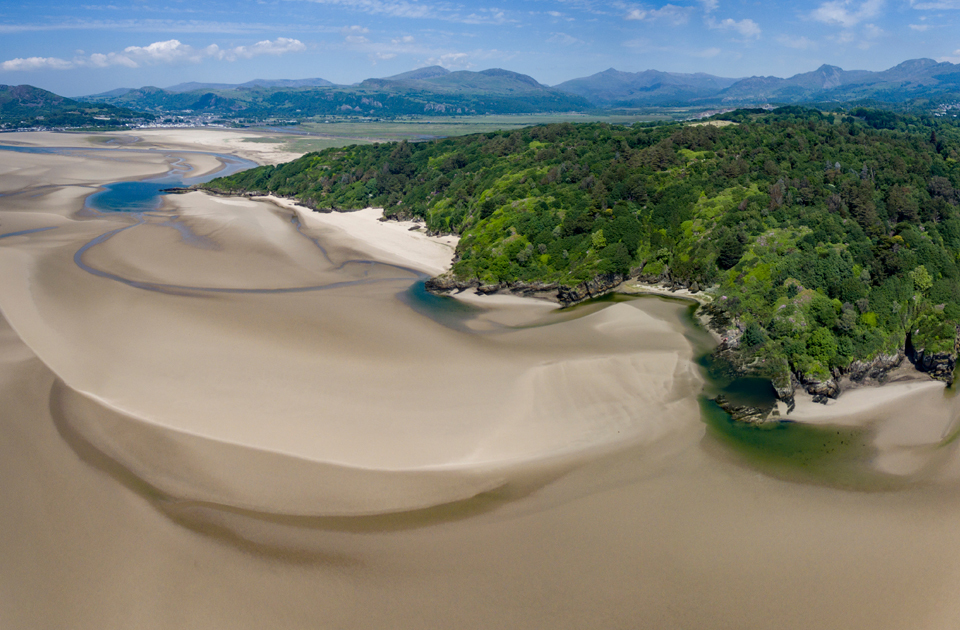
<point x="827" y="241"/>
<point x="27" y="106"/>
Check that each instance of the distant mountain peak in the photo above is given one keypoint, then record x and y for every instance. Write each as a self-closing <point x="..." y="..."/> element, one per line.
<point x="923" y="62"/>
<point x="500" y="72"/>
<point x="427" y="72"/>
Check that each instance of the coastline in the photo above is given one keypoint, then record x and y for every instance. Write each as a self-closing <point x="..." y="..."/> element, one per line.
<point x="363" y="225"/>
<point x="246" y="457"/>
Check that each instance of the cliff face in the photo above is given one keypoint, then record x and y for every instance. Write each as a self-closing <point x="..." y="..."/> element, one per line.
<point x="938" y="364"/>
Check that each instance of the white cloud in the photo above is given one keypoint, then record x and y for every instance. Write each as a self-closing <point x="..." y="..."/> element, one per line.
<point x="800" y="43"/>
<point x="746" y="27"/>
<point x="394" y="9"/>
<point x="446" y="11"/>
<point x="406" y="39"/>
<point x="707" y="53"/>
<point x="486" y="16"/>
<point x="846" y="13"/>
<point x="168" y="52"/>
<point x="919" y="27"/>
<point x="557" y="15"/>
<point x="710" y="6"/>
<point x="668" y="13"/>
<point x="279" y="46"/>
<point x="954" y="58"/>
<point x="450" y="61"/>
<point x="35" y="63"/>
<point x="564" y="39"/>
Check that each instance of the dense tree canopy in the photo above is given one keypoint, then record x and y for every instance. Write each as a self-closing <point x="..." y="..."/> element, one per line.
<point x="830" y="236"/>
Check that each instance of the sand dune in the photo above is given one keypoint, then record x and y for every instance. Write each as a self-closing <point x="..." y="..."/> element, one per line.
<point x="224" y="415"/>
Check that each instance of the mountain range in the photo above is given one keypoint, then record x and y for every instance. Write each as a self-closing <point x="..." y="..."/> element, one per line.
<point x="433" y="90"/>
<point x="613" y="88"/>
<point x="917" y="78"/>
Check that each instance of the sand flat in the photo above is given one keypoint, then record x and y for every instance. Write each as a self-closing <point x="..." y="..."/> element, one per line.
<point x="209" y="140"/>
<point x="173" y="457"/>
<point x="290" y="341"/>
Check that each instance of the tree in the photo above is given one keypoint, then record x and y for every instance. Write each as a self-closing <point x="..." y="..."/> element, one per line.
<point x="822" y="345"/>
<point x="731" y="250"/>
<point x="922" y="281"/>
<point x="901" y="205"/>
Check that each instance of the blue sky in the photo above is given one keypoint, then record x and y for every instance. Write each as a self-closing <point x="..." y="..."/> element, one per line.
<point x="88" y="47"/>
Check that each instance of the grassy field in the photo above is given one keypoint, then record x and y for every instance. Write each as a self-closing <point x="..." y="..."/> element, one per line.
<point x="316" y="136"/>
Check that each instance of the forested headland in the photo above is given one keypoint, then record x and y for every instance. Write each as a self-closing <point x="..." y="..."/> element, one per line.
<point x="829" y="241"/>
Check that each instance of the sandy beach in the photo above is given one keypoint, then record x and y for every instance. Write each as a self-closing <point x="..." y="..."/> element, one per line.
<point x="242" y="143"/>
<point x="236" y="413"/>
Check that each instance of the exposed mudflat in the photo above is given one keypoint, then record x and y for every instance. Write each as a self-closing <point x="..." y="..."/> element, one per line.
<point x="229" y="413"/>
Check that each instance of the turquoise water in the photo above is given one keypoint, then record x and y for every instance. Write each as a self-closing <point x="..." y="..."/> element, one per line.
<point x="129" y="196"/>
<point x="443" y="309"/>
<point x="144" y="195"/>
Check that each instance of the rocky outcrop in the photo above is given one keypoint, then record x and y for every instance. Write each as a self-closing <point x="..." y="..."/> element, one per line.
<point x="747" y="414"/>
<point x="566" y="296"/>
<point x="600" y="285"/>
<point x="858" y="373"/>
<point x="821" y="389"/>
<point x="448" y="283"/>
<point x="400" y="215"/>
<point x="938" y="365"/>
<point x="533" y="289"/>
<point x="874" y="371"/>
<point x="786" y="386"/>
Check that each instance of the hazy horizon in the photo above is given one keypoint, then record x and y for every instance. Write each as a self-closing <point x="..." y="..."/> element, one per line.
<point x="80" y="49"/>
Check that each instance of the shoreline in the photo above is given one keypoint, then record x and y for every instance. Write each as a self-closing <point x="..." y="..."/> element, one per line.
<point x="195" y="476"/>
<point x="633" y="287"/>
<point x="360" y="224"/>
